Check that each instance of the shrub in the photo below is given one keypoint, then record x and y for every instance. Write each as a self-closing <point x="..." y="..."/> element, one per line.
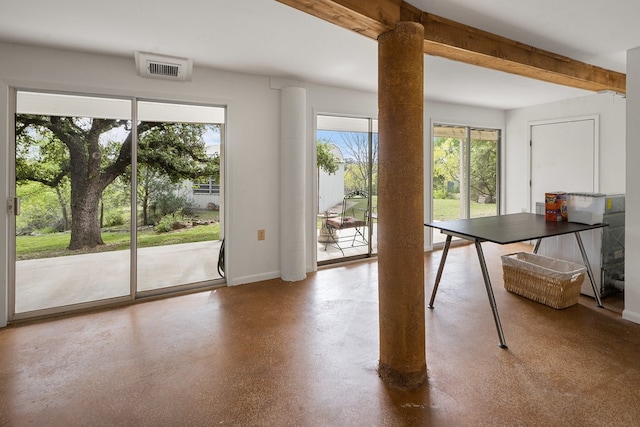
<point x="113" y="218"/>
<point x="49" y="230"/>
<point x="166" y="223"/>
<point x="168" y="202"/>
<point x="440" y="194"/>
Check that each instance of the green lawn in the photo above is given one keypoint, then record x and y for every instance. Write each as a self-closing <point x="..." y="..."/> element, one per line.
<point x="449" y="209"/>
<point x="55" y="244"/>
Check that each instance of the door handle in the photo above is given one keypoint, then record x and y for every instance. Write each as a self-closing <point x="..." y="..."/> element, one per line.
<point x="15" y="206"/>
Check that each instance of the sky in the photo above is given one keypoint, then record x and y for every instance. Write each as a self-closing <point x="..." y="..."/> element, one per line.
<point x="212" y="140"/>
<point x="336" y="138"/>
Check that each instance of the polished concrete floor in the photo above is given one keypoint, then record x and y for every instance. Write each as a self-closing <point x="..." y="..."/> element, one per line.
<point x="305" y="354"/>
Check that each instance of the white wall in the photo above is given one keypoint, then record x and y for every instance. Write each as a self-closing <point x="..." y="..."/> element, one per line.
<point x="632" y="216"/>
<point x="252" y="132"/>
<point x="253" y="137"/>
<point x="611" y="112"/>
<point x="252" y="153"/>
<point x="619" y="130"/>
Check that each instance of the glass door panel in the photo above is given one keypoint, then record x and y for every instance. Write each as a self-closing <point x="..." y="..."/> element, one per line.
<point x="483" y="172"/>
<point x="374" y="186"/>
<point x="72" y="176"/>
<point x="347" y="186"/>
<point x="179" y="195"/>
<point x="465" y="173"/>
<point x="448" y="180"/>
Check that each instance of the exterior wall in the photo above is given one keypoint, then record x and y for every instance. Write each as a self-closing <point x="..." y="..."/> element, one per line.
<point x="201" y="200"/>
<point x="331" y="189"/>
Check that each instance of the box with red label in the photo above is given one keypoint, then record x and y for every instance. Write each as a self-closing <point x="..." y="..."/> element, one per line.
<point x="555" y="206"/>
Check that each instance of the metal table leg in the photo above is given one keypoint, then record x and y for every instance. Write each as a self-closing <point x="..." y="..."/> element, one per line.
<point x="445" y="251"/>
<point x="537" y="246"/>
<point x="587" y="264"/>
<point x="492" y="300"/>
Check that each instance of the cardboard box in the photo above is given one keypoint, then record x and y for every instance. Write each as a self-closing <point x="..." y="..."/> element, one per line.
<point x="555" y="206"/>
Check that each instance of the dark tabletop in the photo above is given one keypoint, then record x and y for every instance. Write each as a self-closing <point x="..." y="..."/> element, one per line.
<point x="510" y="228"/>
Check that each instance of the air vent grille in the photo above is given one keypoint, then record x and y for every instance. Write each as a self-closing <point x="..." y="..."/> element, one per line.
<point x="163" y="67"/>
<point x="167" y="70"/>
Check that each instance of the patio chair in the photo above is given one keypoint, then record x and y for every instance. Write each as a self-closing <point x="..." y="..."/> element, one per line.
<point x="355" y="214"/>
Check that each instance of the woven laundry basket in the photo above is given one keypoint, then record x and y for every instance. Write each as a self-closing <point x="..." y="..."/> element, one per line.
<point x="549" y="281"/>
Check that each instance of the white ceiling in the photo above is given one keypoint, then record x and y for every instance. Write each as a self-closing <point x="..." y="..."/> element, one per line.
<point x="268" y="38"/>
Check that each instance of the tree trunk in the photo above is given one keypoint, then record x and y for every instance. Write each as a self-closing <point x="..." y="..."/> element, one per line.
<point x="145" y="210"/>
<point x="85" y="218"/>
<point x="88" y="181"/>
<point x="63" y="207"/>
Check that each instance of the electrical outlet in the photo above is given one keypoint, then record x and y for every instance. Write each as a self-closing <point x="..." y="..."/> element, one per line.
<point x="260" y="234"/>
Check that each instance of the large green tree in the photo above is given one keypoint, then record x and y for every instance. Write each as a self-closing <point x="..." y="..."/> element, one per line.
<point x="482" y="161"/>
<point x="446" y="165"/>
<point x="484" y="170"/>
<point x="52" y="148"/>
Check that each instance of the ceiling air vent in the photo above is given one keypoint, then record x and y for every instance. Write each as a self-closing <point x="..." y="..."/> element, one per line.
<point x="163" y="67"/>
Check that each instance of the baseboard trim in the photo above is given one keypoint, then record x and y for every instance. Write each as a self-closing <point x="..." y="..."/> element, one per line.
<point x="631" y="316"/>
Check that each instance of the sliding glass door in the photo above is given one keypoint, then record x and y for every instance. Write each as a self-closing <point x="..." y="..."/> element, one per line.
<point x="179" y="198"/>
<point x="80" y="166"/>
<point x="347" y="168"/>
<point x="465" y="173"/>
<point x="72" y="168"/>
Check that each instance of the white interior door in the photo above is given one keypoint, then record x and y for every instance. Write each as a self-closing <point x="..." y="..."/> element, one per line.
<point x="563" y="157"/>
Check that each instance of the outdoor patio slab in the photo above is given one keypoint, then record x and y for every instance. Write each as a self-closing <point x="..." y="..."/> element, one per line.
<point x="54" y="282"/>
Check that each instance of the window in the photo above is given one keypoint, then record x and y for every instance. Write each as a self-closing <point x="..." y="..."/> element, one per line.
<point x="465" y="172"/>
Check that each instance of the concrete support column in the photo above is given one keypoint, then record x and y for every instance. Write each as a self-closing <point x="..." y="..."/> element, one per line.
<point x="293" y="103"/>
<point x="401" y="206"/>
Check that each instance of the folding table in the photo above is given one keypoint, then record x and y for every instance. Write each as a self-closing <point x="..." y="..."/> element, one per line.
<point x="506" y="229"/>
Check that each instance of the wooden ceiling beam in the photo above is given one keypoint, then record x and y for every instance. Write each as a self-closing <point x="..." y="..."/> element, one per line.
<point x="462" y="43"/>
<point x="459" y="42"/>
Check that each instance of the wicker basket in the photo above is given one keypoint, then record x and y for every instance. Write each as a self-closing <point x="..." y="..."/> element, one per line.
<point x="549" y="281"/>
